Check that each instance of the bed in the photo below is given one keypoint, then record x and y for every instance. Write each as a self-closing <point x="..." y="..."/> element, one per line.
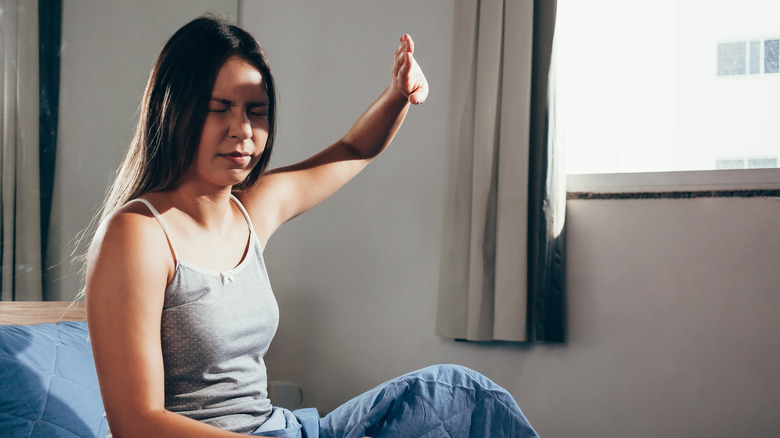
<point x="48" y="383"/>
<point x="37" y="312"/>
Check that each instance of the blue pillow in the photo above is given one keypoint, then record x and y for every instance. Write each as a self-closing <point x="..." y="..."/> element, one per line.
<point x="48" y="383"/>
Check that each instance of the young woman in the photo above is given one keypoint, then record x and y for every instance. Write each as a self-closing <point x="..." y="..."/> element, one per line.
<point x="179" y="303"/>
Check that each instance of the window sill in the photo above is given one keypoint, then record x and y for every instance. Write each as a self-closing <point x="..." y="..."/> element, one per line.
<point x="675" y="185"/>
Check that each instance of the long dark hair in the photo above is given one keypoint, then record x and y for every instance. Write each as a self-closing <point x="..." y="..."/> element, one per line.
<point x="175" y="104"/>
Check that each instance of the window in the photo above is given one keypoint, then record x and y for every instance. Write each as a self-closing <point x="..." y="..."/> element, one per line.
<point x="746" y="57"/>
<point x="746" y="163"/>
<point x="771" y="54"/>
<point x="667" y="85"/>
<point x="731" y="58"/>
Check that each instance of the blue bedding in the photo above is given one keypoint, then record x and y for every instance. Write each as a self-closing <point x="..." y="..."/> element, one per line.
<point x="48" y="384"/>
<point x="439" y="401"/>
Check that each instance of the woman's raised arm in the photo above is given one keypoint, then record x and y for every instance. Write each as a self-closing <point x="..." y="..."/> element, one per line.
<point x="284" y="193"/>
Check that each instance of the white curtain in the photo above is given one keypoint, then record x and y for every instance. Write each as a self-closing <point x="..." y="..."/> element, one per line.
<point x="20" y="207"/>
<point x="484" y="280"/>
<point x="482" y="288"/>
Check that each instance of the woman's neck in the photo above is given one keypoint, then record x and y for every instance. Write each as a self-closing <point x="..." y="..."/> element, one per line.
<point x="209" y="209"/>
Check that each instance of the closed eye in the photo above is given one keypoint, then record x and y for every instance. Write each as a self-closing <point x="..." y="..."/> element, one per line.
<point x="258" y="110"/>
<point x="219" y="105"/>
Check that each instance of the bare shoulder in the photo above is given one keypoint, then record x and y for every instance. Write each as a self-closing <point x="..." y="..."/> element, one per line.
<point x="130" y="250"/>
<point x="132" y="227"/>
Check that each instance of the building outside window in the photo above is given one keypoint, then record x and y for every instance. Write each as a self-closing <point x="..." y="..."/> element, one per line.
<point x="668" y="85"/>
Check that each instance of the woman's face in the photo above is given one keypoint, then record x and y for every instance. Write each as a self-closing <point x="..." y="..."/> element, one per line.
<point x="236" y="128"/>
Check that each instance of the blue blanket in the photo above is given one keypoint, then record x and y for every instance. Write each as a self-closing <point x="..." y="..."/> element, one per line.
<point x="439" y="401"/>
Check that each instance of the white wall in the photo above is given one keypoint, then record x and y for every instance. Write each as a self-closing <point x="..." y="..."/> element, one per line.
<point x="672" y="303"/>
<point x="672" y="320"/>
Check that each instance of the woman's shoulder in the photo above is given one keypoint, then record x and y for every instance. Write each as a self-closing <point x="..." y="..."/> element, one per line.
<point x="132" y="227"/>
<point x="134" y="216"/>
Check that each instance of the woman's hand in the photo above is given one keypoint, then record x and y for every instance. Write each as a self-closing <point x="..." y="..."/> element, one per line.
<point x="408" y="77"/>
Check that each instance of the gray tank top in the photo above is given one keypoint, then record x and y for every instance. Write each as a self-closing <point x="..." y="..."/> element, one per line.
<point x="216" y="328"/>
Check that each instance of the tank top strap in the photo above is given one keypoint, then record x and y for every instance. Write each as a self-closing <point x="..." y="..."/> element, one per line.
<point x="162" y="224"/>
<point x="244" y="212"/>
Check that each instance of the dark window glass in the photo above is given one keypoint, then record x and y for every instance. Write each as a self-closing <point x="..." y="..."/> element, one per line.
<point x="771" y="52"/>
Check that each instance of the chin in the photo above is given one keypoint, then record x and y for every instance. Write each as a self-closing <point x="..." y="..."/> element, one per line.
<point x="238" y="178"/>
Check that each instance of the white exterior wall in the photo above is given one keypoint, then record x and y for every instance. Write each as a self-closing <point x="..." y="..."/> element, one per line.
<point x="640" y="90"/>
<point x="733" y="116"/>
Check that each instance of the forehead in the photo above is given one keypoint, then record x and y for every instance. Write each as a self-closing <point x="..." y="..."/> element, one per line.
<point x="239" y="78"/>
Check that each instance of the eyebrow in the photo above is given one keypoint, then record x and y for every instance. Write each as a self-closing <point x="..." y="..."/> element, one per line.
<point x="229" y="102"/>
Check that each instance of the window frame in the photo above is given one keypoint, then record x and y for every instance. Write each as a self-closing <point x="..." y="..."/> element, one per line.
<point x="677" y="184"/>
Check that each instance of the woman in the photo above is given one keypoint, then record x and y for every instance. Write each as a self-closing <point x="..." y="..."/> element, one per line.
<point x="179" y="304"/>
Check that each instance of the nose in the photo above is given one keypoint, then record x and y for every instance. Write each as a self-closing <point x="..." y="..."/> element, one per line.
<point x="240" y="127"/>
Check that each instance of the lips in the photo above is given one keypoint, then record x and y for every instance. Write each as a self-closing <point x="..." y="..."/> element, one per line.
<point x="237" y="157"/>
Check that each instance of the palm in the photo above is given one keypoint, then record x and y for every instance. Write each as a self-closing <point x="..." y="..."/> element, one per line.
<point x="407" y="74"/>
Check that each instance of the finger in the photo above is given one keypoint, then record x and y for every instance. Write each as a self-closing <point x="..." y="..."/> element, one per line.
<point x="398" y="63"/>
<point x="407" y="45"/>
<point x="405" y="64"/>
<point x="402" y="57"/>
<point x="400" y="50"/>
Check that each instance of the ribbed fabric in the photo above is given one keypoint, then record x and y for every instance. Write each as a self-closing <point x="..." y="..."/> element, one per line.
<point x="216" y="328"/>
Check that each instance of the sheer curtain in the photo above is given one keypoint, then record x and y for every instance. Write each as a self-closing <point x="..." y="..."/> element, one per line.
<point x="19" y="153"/>
<point x="502" y="248"/>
